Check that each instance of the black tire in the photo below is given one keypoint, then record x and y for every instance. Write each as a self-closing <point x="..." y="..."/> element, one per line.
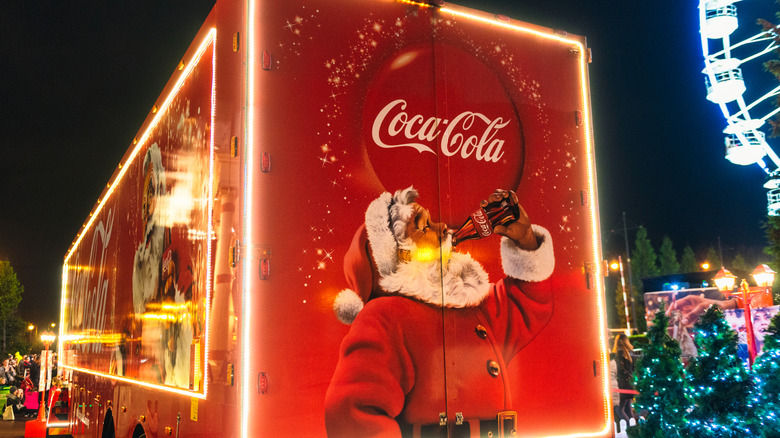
<point x="108" y="426"/>
<point x="139" y="432"/>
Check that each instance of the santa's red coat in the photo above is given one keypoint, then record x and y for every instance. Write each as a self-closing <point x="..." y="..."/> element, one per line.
<point x="394" y="360"/>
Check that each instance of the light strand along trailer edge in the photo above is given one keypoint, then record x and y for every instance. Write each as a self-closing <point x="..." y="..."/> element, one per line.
<point x="348" y="218"/>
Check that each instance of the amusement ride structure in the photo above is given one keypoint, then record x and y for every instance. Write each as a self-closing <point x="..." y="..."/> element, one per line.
<point x="723" y="60"/>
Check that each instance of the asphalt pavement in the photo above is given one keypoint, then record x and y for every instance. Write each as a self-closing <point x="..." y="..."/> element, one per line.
<point x="13" y="429"/>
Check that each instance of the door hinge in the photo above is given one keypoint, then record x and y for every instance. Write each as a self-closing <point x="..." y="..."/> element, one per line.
<point x="235" y="255"/>
<point x="234" y="146"/>
<point x="262" y="383"/>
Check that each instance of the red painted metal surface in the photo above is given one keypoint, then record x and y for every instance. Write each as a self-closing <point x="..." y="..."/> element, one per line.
<point x="348" y="99"/>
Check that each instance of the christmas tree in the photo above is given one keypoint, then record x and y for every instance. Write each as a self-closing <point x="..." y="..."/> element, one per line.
<point x="662" y="400"/>
<point x="766" y="372"/>
<point x="720" y="385"/>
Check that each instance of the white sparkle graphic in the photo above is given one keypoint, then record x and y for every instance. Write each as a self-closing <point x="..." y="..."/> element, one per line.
<point x="371" y="40"/>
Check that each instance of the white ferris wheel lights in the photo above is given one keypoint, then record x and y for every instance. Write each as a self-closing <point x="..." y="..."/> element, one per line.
<point x="724" y="81"/>
<point x="743" y="126"/>
<point x="773" y="194"/>
<point x="773" y="201"/>
<point x="720" y="19"/>
<point x="745" y="148"/>
<point x="745" y="145"/>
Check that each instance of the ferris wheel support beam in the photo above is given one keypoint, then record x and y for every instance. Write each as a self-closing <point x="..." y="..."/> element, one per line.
<point x="724" y="109"/>
<point x="761" y="53"/>
<point x="772" y="155"/>
<point x="754" y="39"/>
<point x="745" y="136"/>
<point x="745" y="109"/>
<point x="774" y="111"/>
<point x="705" y="46"/>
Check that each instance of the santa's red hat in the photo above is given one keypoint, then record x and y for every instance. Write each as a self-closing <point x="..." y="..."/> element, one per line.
<point x="372" y="260"/>
<point x="373" y="252"/>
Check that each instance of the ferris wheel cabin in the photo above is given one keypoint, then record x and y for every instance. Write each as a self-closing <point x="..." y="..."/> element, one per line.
<point x="744" y="142"/>
<point x="773" y="193"/>
<point x="720" y="18"/>
<point x="724" y="81"/>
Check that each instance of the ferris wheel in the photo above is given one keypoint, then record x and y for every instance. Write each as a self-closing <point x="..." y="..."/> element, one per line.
<point x="723" y="60"/>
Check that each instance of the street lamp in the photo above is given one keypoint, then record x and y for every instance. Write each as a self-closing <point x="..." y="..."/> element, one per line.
<point x="764" y="276"/>
<point x="705" y="266"/>
<point x="37" y="427"/>
<point x="619" y="265"/>
<point x="47" y="338"/>
<point x="725" y="280"/>
<point x="751" y="337"/>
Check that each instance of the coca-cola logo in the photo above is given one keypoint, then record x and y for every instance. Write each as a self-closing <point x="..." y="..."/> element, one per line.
<point x="400" y="129"/>
<point x="437" y="118"/>
<point x="482" y="223"/>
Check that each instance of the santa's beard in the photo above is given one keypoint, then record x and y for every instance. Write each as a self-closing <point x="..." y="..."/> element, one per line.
<point x="177" y="358"/>
<point x="462" y="282"/>
<point x="146" y="268"/>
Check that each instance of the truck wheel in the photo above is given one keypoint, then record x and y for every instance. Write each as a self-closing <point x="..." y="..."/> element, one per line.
<point x="108" y="426"/>
<point x="139" y="432"/>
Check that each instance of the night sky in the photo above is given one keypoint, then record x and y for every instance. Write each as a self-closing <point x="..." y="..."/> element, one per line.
<point x="77" y="78"/>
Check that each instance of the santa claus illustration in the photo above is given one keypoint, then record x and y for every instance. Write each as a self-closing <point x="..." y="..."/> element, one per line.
<point x="431" y="336"/>
<point x="162" y="277"/>
<point x="147" y="263"/>
<point x="148" y="256"/>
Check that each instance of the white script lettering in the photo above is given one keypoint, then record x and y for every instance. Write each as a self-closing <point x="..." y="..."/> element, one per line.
<point x="90" y="287"/>
<point x="456" y="138"/>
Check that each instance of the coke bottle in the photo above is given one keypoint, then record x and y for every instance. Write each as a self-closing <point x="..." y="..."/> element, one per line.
<point x="482" y="222"/>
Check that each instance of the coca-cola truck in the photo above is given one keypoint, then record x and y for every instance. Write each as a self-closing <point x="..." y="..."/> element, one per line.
<point x="274" y="254"/>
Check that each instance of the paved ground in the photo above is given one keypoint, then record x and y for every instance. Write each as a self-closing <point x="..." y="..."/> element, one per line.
<point x="13" y="429"/>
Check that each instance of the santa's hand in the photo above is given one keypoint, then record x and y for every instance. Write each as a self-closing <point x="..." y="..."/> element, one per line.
<point x="519" y="230"/>
<point x="691" y="307"/>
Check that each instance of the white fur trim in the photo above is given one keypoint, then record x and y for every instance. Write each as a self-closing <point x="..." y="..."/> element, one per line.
<point x="154" y="157"/>
<point x="381" y="240"/>
<point x="347" y="305"/>
<point x="386" y="220"/>
<point x="146" y="267"/>
<point x="464" y="283"/>
<point x="401" y="213"/>
<point x="526" y="265"/>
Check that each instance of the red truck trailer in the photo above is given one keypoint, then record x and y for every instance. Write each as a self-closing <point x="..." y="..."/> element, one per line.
<point x="281" y="250"/>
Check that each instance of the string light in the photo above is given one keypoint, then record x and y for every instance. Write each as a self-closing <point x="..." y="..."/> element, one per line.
<point x="721" y="397"/>
<point x="208" y="42"/>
